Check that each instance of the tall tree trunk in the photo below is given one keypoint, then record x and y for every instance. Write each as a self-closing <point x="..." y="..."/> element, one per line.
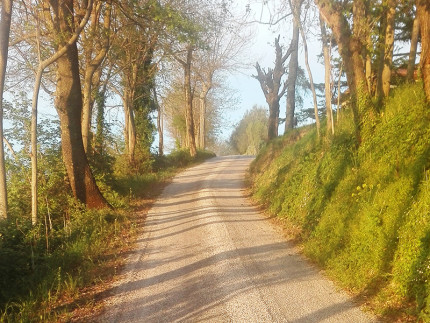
<point x="272" y="129"/>
<point x="423" y="11"/>
<point x="68" y="102"/>
<point x="92" y="64"/>
<point x="203" y="100"/>
<point x="6" y="16"/>
<point x="270" y="83"/>
<point x="131" y="137"/>
<point x="350" y="49"/>
<point x="202" y="122"/>
<point x="129" y="126"/>
<point x="293" y="67"/>
<point x="33" y="155"/>
<point x="159" y="123"/>
<point x="413" y="50"/>
<point x="311" y="80"/>
<point x="327" y="77"/>
<point x="369" y="72"/>
<point x="189" y="120"/>
<point x="389" y="47"/>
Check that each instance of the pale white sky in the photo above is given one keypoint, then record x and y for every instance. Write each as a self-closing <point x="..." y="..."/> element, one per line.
<point x="262" y="50"/>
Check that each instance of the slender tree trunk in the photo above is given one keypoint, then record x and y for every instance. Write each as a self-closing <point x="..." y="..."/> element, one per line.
<point x="6" y="16"/>
<point x="327" y="77"/>
<point x="68" y="102"/>
<point x="369" y="71"/>
<point x="129" y="126"/>
<point x="389" y="47"/>
<point x="293" y="67"/>
<point x="131" y="136"/>
<point x="91" y="66"/>
<point x="87" y="107"/>
<point x="350" y="49"/>
<point x="159" y="123"/>
<point x="338" y="93"/>
<point x="423" y="11"/>
<point x="413" y="50"/>
<point x="189" y="120"/>
<point x="311" y="80"/>
<point x="203" y="99"/>
<point x="202" y="122"/>
<point x="34" y="193"/>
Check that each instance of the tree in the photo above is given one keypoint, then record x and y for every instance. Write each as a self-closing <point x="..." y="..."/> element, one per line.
<point x="61" y="17"/>
<point x="43" y="64"/>
<point x="423" y="12"/>
<point x="189" y="120"/>
<point x="350" y="43"/>
<point x="293" y="67"/>
<point x="251" y="133"/>
<point x="95" y="47"/>
<point x="6" y="16"/>
<point x="327" y="76"/>
<point x="414" y="47"/>
<point x="270" y="83"/>
<point x="387" y="47"/>
<point x="308" y="68"/>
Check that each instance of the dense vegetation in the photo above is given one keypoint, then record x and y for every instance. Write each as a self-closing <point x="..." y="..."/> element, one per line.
<point x="361" y="211"/>
<point x="45" y="268"/>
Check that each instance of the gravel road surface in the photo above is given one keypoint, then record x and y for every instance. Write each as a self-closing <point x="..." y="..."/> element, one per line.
<point x="207" y="255"/>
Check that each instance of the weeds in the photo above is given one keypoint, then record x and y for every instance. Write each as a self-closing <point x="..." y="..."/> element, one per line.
<point x="44" y="268"/>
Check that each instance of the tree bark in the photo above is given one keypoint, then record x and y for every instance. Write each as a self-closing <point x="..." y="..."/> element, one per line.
<point x="388" y="48"/>
<point x="423" y="12"/>
<point x="202" y="130"/>
<point x="270" y="83"/>
<point x="92" y="64"/>
<point x="293" y="67"/>
<point x="327" y="77"/>
<point x="68" y="102"/>
<point x="351" y="50"/>
<point x="413" y="50"/>
<point x="311" y="80"/>
<point x="189" y="120"/>
<point x="160" y="129"/>
<point x="6" y="16"/>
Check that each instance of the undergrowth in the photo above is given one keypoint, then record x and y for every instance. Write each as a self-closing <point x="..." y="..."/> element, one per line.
<point x="44" y="268"/>
<point x="363" y="213"/>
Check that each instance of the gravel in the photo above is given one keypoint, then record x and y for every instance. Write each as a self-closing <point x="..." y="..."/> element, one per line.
<point x="207" y="255"/>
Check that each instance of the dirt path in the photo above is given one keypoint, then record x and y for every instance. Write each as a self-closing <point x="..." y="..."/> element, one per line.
<point x="207" y="255"/>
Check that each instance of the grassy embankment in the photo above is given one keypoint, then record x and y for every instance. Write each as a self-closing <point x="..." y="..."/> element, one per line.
<point x="361" y="213"/>
<point x="59" y="272"/>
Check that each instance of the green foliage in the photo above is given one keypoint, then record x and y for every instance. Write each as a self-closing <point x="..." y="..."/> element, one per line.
<point x="363" y="212"/>
<point x="251" y="132"/>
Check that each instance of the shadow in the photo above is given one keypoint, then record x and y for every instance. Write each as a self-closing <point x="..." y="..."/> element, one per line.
<point x="201" y="259"/>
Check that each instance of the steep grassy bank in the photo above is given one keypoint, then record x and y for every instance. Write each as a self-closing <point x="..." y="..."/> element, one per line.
<point x="362" y="213"/>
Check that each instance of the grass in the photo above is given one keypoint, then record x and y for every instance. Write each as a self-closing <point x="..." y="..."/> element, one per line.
<point x="362" y="212"/>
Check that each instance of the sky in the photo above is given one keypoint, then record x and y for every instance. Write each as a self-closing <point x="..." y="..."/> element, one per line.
<point x="262" y="50"/>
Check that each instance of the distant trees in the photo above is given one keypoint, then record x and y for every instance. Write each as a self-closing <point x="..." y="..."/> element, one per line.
<point x="250" y="134"/>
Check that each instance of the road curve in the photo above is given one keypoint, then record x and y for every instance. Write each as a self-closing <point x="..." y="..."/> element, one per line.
<point x="207" y="255"/>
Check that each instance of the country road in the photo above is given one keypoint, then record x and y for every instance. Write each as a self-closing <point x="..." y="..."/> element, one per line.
<point x="207" y="255"/>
